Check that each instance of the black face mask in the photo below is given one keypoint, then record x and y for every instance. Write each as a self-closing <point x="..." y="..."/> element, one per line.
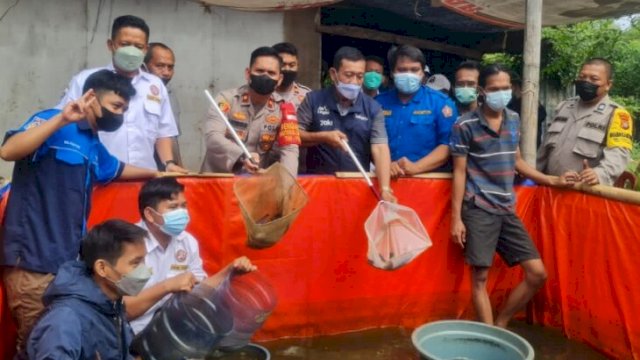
<point x="586" y="90"/>
<point x="109" y="121"/>
<point x="262" y="84"/>
<point x="288" y="77"/>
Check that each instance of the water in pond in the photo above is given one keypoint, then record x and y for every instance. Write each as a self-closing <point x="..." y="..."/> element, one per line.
<point x="395" y="344"/>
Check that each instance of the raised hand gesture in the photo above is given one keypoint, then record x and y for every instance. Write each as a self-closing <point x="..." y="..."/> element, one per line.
<point x="77" y="110"/>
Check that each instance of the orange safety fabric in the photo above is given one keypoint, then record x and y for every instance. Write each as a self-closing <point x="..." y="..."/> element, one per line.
<point x="319" y="269"/>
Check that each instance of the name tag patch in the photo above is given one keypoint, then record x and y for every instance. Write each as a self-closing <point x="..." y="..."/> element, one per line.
<point x="178" y="267"/>
<point x="422" y="112"/>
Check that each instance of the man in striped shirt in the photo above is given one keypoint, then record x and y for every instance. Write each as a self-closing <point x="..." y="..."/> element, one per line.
<point x="484" y="145"/>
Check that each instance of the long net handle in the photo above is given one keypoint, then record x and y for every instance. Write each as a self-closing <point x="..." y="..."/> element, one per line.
<point x="231" y="129"/>
<point x="346" y="146"/>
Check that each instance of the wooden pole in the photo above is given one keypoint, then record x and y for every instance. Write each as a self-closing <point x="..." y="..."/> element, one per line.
<point x="531" y="80"/>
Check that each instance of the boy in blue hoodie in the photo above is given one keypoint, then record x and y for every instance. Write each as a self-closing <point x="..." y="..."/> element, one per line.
<point x="84" y="316"/>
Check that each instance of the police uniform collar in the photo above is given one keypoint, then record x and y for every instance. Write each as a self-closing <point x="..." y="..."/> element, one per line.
<point x="245" y="100"/>
<point x="277" y="96"/>
<point x="600" y="106"/>
<point x="603" y="104"/>
<point x="243" y="95"/>
<point x="356" y="107"/>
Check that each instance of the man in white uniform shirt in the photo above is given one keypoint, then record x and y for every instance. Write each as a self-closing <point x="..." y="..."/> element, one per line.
<point x="172" y="253"/>
<point x="149" y="123"/>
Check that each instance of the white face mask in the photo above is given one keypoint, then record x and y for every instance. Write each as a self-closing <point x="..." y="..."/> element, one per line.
<point x="132" y="283"/>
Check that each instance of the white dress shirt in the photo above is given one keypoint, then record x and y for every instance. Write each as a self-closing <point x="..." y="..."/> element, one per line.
<point x="182" y="254"/>
<point x="148" y="118"/>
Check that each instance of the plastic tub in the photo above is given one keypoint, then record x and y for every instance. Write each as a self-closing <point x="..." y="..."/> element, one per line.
<point x="469" y="340"/>
<point x="251" y="300"/>
<point x="187" y="326"/>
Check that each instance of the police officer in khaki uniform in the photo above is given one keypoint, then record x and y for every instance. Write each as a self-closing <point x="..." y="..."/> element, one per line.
<point x="590" y="134"/>
<point x="289" y="89"/>
<point x="256" y="116"/>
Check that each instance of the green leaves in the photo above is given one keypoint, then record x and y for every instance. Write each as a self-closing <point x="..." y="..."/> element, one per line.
<point x="567" y="47"/>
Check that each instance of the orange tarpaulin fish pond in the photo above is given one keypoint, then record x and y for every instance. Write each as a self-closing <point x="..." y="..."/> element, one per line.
<point x="325" y="285"/>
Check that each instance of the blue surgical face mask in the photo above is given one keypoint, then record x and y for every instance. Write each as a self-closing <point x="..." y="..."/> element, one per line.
<point x="349" y="91"/>
<point x="407" y="83"/>
<point x="466" y="95"/>
<point x="175" y="221"/>
<point x="498" y="100"/>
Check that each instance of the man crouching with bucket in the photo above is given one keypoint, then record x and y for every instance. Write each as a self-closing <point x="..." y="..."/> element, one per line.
<point x="84" y="316"/>
<point x="172" y="253"/>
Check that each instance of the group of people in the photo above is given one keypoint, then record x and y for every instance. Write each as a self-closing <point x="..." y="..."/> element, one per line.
<point x="120" y="122"/>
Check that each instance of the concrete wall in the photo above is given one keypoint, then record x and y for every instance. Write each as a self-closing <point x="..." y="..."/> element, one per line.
<point x="299" y="28"/>
<point x="43" y="43"/>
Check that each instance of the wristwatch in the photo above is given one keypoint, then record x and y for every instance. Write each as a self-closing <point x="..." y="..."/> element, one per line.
<point x="387" y="189"/>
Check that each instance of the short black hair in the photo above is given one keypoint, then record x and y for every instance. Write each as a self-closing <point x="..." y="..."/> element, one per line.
<point x="490" y="70"/>
<point x="601" y="61"/>
<point x="106" y="241"/>
<point x="346" y="53"/>
<point x="129" y="21"/>
<point x="149" y="55"/>
<point x="107" y="80"/>
<point x="469" y="65"/>
<point x="376" y="59"/>
<point x="267" y="51"/>
<point x="286" y="48"/>
<point x="409" y="51"/>
<point x="156" y="190"/>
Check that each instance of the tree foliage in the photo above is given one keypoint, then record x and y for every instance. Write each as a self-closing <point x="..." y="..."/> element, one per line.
<point x="567" y="47"/>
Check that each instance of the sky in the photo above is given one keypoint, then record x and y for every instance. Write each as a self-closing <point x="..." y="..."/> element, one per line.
<point x="625" y="21"/>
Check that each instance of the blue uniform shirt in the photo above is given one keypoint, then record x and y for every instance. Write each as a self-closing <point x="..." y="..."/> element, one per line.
<point x="50" y="196"/>
<point x="419" y="126"/>
<point x="363" y="124"/>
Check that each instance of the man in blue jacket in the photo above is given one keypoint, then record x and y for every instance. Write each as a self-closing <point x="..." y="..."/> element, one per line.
<point x="58" y="158"/>
<point x="418" y="119"/>
<point x="85" y="316"/>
